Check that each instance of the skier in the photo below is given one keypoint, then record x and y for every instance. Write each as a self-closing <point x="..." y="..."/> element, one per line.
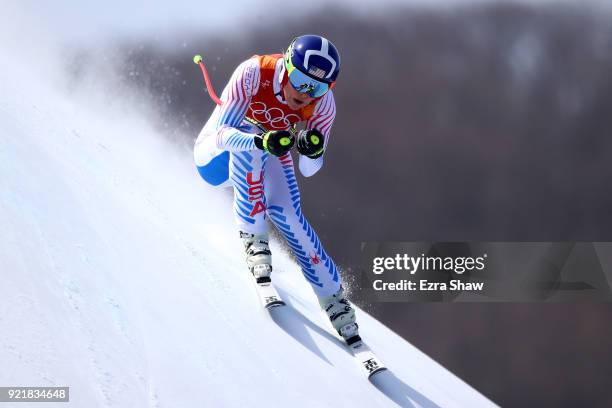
<point x="246" y="143"/>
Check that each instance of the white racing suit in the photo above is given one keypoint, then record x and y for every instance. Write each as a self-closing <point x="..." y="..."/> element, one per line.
<point x="265" y="186"/>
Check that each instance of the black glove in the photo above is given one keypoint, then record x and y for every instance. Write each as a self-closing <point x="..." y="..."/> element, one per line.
<point x="311" y="143"/>
<point x="276" y="142"/>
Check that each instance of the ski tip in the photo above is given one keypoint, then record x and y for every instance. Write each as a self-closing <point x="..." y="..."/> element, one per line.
<point x="378" y="370"/>
<point x="275" y="303"/>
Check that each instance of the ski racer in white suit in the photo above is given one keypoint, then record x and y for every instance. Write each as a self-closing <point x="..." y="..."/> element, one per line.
<point x="246" y="143"/>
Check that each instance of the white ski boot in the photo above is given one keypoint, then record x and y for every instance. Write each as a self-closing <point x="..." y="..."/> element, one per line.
<point x="258" y="255"/>
<point x="341" y="315"/>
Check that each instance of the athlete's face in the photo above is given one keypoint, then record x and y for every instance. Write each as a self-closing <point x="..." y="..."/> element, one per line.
<point x="295" y="100"/>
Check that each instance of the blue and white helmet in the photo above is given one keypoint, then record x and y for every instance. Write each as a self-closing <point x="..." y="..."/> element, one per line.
<point x="313" y="64"/>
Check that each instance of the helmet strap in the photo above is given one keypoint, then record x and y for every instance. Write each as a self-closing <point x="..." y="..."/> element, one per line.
<point x="285" y="78"/>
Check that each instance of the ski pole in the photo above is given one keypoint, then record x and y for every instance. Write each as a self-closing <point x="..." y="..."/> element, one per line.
<point x="197" y="59"/>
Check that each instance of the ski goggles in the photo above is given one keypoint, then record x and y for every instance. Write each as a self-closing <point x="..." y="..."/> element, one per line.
<point x="305" y="84"/>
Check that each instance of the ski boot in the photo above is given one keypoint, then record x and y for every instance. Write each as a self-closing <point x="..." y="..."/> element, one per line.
<point x="258" y="255"/>
<point x="341" y="315"/>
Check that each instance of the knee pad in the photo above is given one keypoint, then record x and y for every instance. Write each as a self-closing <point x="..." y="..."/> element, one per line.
<point x="216" y="172"/>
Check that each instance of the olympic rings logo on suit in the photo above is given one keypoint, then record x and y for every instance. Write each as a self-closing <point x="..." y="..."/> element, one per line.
<point x="275" y="117"/>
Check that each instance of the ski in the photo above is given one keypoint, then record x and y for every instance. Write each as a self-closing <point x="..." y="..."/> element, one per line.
<point x="267" y="293"/>
<point x="368" y="362"/>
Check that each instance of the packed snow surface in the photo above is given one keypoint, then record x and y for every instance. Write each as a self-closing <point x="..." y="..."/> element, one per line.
<point x="122" y="276"/>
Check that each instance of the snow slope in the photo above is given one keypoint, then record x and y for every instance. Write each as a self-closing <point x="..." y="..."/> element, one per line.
<point x="122" y="277"/>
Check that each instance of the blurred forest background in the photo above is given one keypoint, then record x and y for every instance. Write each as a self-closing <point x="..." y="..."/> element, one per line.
<point x="483" y="122"/>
